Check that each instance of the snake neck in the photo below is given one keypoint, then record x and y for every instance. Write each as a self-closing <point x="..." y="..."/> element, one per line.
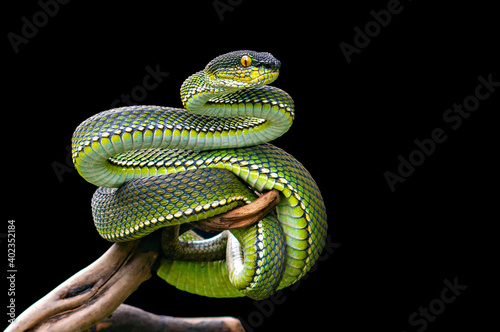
<point x="198" y="89"/>
<point x="216" y="118"/>
<point x="203" y="94"/>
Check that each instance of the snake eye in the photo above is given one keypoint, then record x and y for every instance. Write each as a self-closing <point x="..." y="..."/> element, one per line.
<point x="246" y="61"/>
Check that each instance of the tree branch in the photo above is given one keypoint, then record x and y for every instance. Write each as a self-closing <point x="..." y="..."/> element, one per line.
<point x="95" y="292"/>
<point x="243" y="216"/>
<point x="131" y="319"/>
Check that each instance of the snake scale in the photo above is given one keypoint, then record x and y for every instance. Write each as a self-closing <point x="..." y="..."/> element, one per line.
<point x="164" y="167"/>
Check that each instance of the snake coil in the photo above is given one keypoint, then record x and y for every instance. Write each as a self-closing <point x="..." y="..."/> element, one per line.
<point x="162" y="167"/>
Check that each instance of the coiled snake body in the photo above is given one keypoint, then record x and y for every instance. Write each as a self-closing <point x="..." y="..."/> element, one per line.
<point x="162" y="167"/>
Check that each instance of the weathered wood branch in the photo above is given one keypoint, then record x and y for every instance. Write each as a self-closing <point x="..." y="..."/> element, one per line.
<point x="243" y="216"/>
<point x="94" y="293"/>
<point x="131" y="319"/>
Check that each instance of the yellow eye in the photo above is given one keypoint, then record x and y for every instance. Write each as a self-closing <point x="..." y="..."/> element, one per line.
<point x="246" y="61"/>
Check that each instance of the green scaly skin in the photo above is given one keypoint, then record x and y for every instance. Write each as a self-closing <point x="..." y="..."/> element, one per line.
<point x="160" y="166"/>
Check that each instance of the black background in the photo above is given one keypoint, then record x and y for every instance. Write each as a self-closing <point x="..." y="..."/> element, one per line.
<point x="353" y="120"/>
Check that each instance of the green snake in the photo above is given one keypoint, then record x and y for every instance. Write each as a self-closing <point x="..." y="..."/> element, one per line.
<point x="164" y="167"/>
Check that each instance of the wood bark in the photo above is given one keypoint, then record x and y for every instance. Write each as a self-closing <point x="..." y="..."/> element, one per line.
<point x="87" y="300"/>
<point x="131" y="319"/>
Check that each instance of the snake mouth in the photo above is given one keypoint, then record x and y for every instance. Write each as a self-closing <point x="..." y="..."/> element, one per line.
<point x="256" y="76"/>
<point x="246" y="77"/>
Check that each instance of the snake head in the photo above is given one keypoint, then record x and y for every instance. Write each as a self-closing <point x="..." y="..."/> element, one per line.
<point x="242" y="69"/>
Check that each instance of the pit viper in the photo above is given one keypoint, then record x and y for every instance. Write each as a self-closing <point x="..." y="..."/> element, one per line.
<point x="164" y="167"/>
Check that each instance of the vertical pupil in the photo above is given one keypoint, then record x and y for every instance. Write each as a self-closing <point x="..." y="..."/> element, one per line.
<point x="245" y="61"/>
